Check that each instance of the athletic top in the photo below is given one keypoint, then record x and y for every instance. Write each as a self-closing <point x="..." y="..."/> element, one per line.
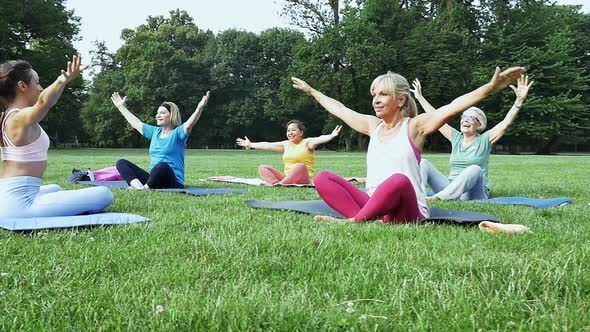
<point x="298" y="153"/>
<point x="398" y="155"/>
<point x="35" y="151"/>
<point x="476" y="153"/>
<point x="169" y="149"/>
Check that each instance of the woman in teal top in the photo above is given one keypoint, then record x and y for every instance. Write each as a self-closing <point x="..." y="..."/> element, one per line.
<point x="168" y="141"/>
<point x="470" y="149"/>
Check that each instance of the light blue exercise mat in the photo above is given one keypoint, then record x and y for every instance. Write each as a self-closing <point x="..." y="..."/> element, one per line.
<point x="187" y="190"/>
<point x="539" y="203"/>
<point x="320" y="207"/>
<point x="108" y="218"/>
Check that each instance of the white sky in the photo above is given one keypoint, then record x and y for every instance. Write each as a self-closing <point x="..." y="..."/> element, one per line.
<point x="103" y="20"/>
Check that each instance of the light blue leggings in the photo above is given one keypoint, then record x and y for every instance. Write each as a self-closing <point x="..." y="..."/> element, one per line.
<point x="24" y="197"/>
<point x="467" y="186"/>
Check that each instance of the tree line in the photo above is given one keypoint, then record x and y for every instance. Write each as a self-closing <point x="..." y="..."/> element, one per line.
<point x="452" y="46"/>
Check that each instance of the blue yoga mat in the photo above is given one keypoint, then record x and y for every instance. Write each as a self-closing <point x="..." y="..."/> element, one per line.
<point x="320" y="207"/>
<point x="188" y="190"/>
<point x="539" y="203"/>
<point x="108" y="218"/>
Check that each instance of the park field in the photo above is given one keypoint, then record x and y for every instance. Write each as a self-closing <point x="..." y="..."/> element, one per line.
<point x="213" y="263"/>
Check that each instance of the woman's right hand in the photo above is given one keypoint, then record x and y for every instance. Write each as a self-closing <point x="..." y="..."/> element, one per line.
<point x="244" y="142"/>
<point x="417" y="88"/>
<point x="300" y="84"/>
<point x="117" y="100"/>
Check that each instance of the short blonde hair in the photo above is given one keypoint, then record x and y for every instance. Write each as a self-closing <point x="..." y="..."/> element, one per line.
<point x="175" y="119"/>
<point x="396" y="85"/>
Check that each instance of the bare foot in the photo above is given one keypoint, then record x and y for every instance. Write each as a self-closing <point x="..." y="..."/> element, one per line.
<point x="493" y="227"/>
<point x="432" y="198"/>
<point x="330" y="218"/>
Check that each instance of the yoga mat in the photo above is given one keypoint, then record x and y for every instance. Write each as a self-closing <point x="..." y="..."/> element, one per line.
<point x="260" y="182"/>
<point x="539" y="203"/>
<point x="188" y="190"/>
<point x="320" y="207"/>
<point x="108" y="218"/>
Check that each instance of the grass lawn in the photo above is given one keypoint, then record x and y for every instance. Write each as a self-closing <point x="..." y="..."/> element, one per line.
<point x="213" y="263"/>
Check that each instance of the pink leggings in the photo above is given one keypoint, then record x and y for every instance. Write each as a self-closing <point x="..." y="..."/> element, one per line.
<point x="298" y="175"/>
<point x="393" y="201"/>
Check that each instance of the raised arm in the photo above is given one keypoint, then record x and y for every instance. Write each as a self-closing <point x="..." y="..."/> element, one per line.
<point x="362" y="123"/>
<point x="271" y="146"/>
<point x="445" y="130"/>
<point x="521" y="93"/>
<point x="194" y="118"/>
<point x="313" y="142"/>
<point x="132" y="119"/>
<point x="48" y="98"/>
<point x="427" y="123"/>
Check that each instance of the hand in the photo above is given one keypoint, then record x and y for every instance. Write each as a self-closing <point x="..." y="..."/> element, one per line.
<point x="244" y="142"/>
<point x="74" y="68"/>
<point x="417" y="88"/>
<point x="301" y="85"/>
<point x="336" y="130"/>
<point x="500" y="80"/>
<point x="203" y="101"/>
<point x="523" y="87"/>
<point x="117" y="100"/>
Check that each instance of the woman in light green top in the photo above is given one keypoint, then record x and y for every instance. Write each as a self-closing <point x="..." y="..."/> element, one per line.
<point x="470" y="152"/>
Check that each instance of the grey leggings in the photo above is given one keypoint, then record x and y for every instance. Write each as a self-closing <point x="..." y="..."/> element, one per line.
<point x="467" y="186"/>
<point x="25" y="197"/>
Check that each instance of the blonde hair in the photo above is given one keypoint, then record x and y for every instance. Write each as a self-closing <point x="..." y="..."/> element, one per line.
<point x="396" y="85"/>
<point x="175" y="119"/>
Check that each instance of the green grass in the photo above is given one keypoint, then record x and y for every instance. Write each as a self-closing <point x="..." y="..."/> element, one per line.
<point x="213" y="263"/>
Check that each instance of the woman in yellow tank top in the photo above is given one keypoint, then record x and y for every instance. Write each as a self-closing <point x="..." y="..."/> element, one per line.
<point x="297" y="155"/>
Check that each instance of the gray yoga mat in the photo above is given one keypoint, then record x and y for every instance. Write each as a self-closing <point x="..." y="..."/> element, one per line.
<point x="187" y="190"/>
<point x="320" y="207"/>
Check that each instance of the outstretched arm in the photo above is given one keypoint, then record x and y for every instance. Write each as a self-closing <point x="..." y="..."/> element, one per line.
<point x="521" y="93"/>
<point x="427" y="123"/>
<point x="313" y="142"/>
<point x="132" y="119"/>
<point x="48" y="98"/>
<point x="362" y="123"/>
<point x="271" y="146"/>
<point x="445" y="130"/>
<point x="192" y="121"/>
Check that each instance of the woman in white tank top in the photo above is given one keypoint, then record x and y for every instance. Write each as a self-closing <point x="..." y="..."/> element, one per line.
<point x="23" y="104"/>
<point x="397" y="136"/>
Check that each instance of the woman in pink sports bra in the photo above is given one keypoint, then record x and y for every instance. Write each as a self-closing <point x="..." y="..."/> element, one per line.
<point x="397" y="136"/>
<point x="23" y="104"/>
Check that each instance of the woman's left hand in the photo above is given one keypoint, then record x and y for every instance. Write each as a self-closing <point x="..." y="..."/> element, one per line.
<point x="74" y="68"/>
<point x="203" y="101"/>
<point x="523" y="87"/>
<point x="336" y="130"/>
<point x="500" y="80"/>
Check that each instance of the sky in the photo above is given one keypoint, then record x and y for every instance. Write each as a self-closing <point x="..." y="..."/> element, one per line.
<point x="105" y="19"/>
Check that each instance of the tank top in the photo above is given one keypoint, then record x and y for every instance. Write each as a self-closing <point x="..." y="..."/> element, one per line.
<point x="298" y="153"/>
<point x="398" y="155"/>
<point x="35" y="151"/>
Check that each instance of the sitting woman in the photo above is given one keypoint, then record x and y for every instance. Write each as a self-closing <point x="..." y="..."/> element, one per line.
<point x="24" y="144"/>
<point x="298" y="155"/>
<point x="397" y="136"/>
<point x="470" y="149"/>
<point x="168" y="142"/>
